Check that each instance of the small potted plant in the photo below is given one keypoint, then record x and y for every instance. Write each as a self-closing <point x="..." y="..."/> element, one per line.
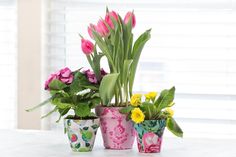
<point x="150" y="118"/>
<point x="78" y="93"/>
<point x="114" y="40"/>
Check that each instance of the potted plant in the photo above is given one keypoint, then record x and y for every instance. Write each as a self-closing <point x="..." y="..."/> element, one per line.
<point x="150" y="118"/>
<point x="77" y="92"/>
<point x="114" y="39"/>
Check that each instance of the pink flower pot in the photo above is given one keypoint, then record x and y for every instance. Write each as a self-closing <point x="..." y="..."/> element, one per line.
<point x="117" y="132"/>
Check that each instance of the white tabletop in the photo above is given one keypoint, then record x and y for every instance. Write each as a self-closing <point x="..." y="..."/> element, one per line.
<point x="19" y="143"/>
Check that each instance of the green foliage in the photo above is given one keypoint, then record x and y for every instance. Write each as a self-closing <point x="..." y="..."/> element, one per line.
<point x="174" y="127"/>
<point x="107" y="87"/>
<point x="165" y="99"/>
<point x="126" y="110"/>
<point x="81" y="96"/>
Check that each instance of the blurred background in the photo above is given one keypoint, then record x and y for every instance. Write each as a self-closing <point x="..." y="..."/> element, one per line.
<point x="193" y="46"/>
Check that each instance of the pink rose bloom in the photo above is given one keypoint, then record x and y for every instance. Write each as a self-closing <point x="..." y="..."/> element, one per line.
<point x="102" y="28"/>
<point x="87" y="46"/>
<point x="127" y="18"/>
<point x="49" y="80"/>
<point x="109" y="16"/>
<point x="152" y="143"/>
<point x="91" y="27"/>
<point x="65" y="75"/>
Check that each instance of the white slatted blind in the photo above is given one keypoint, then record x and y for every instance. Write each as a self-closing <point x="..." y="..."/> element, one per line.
<point x="193" y="47"/>
<point x="8" y="72"/>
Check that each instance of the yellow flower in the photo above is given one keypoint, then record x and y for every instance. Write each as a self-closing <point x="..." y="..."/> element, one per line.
<point x="151" y="96"/>
<point x="170" y="111"/>
<point x="137" y="115"/>
<point x="136" y="99"/>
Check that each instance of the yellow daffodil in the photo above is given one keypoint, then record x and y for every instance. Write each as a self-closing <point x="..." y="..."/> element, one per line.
<point x="136" y="99"/>
<point x="151" y="96"/>
<point x="170" y="111"/>
<point x="137" y="115"/>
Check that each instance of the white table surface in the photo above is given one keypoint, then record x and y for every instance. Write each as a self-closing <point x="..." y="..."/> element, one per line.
<point x="20" y="143"/>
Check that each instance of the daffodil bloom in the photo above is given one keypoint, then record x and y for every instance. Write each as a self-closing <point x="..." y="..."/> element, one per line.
<point x="151" y="96"/>
<point x="136" y="99"/>
<point x="137" y="115"/>
<point x="170" y="111"/>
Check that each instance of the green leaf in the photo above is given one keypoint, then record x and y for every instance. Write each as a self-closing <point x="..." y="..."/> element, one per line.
<point x="82" y="110"/>
<point x="49" y="113"/>
<point x="136" y="52"/>
<point x="126" y="70"/>
<point x="102" y="45"/>
<point x="165" y="99"/>
<point x="149" y="110"/>
<point x="107" y="87"/>
<point x="57" y="85"/>
<point x="174" y="127"/>
<point x="96" y="69"/>
<point x="61" y="92"/>
<point x="126" y="110"/>
<point x="40" y="105"/>
<point x="60" y="104"/>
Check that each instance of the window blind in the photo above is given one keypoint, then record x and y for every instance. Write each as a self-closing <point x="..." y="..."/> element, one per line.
<point x="8" y="63"/>
<point x="192" y="46"/>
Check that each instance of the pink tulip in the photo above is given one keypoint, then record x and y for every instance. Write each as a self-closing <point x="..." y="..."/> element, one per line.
<point x="91" y="27"/>
<point x="127" y="18"/>
<point x="109" y="16"/>
<point x="49" y="80"/>
<point x="87" y="46"/>
<point x="102" y="28"/>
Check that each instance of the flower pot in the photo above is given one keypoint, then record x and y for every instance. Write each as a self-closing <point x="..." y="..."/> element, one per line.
<point x="117" y="132"/>
<point x="149" y="135"/>
<point x="81" y="133"/>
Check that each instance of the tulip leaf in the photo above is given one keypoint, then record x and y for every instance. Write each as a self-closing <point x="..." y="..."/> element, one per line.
<point x="136" y="52"/>
<point x="107" y="87"/>
<point x="174" y="127"/>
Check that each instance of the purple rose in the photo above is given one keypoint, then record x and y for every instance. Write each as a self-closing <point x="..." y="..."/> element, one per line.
<point x="64" y="75"/>
<point x="49" y="80"/>
<point x="103" y="72"/>
<point x="90" y="76"/>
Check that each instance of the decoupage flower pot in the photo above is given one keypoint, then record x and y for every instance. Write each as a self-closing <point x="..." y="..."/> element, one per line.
<point x="81" y="133"/>
<point x="149" y="135"/>
<point x="117" y="132"/>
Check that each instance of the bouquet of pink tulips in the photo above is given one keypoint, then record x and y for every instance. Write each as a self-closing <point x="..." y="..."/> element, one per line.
<point x="114" y="39"/>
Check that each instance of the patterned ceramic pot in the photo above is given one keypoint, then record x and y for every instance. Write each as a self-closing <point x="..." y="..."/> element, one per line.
<point x="149" y="135"/>
<point x="81" y="133"/>
<point x="117" y="132"/>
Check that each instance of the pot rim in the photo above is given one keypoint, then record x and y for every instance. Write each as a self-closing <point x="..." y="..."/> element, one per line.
<point x="110" y="106"/>
<point x="95" y="118"/>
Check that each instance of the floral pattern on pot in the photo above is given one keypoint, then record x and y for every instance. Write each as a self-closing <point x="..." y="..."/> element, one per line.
<point x="81" y="133"/>
<point x="117" y="132"/>
<point x="149" y="135"/>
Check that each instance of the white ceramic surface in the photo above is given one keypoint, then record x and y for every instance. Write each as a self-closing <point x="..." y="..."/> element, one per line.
<point x="20" y="143"/>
